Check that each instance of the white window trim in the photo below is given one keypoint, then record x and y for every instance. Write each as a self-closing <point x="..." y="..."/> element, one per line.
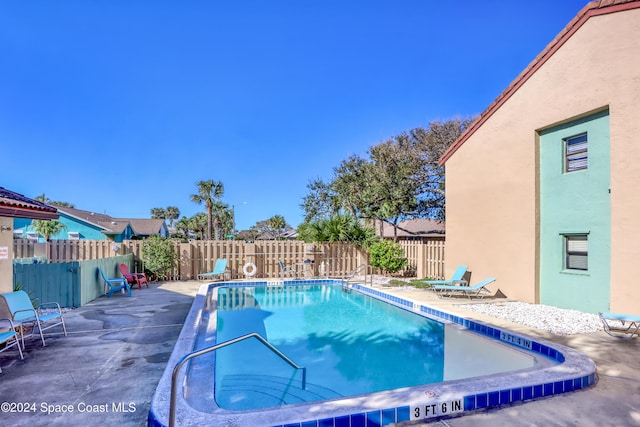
<point x="567" y="253"/>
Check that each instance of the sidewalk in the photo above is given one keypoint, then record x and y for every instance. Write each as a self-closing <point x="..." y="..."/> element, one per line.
<point x="106" y="371"/>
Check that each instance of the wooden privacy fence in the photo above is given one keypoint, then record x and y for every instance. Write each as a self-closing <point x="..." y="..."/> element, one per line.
<point x="66" y="250"/>
<point x="425" y="259"/>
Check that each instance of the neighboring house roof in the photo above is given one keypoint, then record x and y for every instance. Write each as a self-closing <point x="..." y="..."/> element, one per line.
<point x="290" y="234"/>
<point x="147" y="227"/>
<point x="110" y="225"/>
<point x="413" y="228"/>
<point x="594" y="8"/>
<point x="103" y="221"/>
<point x="15" y="205"/>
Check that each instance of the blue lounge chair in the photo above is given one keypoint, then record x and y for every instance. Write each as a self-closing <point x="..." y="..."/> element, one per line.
<point x="9" y="337"/>
<point x="220" y="269"/>
<point x="456" y="279"/>
<point x="478" y="290"/>
<point x="620" y="325"/>
<point x="46" y="316"/>
<point x="115" y="284"/>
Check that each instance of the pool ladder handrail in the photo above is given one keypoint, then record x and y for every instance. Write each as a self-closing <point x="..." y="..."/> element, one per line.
<point x="186" y="358"/>
<point x="368" y="272"/>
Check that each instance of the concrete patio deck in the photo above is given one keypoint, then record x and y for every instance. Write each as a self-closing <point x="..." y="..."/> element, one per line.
<point x="106" y="371"/>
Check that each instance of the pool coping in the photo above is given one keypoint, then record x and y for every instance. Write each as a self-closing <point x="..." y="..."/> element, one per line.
<point x="575" y="371"/>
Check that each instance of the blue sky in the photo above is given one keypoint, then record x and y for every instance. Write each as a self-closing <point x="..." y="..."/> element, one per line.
<point x="121" y="106"/>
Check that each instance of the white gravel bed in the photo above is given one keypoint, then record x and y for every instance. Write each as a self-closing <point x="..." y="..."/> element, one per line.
<point x="558" y="321"/>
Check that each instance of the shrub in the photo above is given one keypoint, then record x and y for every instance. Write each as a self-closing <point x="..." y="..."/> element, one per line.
<point x="387" y="256"/>
<point x="159" y="256"/>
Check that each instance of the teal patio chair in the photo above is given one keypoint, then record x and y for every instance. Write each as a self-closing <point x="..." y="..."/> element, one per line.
<point x="478" y="290"/>
<point x="219" y="269"/>
<point x="9" y="337"/>
<point x="115" y="284"/>
<point x="456" y="279"/>
<point x="45" y="316"/>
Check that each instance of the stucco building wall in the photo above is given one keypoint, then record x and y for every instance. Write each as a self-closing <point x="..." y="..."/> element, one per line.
<point x="6" y="264"/>
<point x="492" y="179"/>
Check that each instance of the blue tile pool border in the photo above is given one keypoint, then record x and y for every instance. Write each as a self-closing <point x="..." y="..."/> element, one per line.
<point x="573" y="371"/>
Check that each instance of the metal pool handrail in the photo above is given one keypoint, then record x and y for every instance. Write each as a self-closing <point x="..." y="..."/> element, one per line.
<point x="368" y="272"/>
<point x="186" y="358"/>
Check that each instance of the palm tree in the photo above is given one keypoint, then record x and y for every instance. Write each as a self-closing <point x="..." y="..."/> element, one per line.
<point x="198" y="224"/>
<point x="208" y="193"/>
<point x="48" y="228"/>
<point x="222" y="220"/>
<point x="278" y="224"/>
<point x="183" y="226"/>
<point x="44" y="199"/>
<point x="158" y="213"/>
<point x="338" y="228"/>
<point x="172" y="213"/>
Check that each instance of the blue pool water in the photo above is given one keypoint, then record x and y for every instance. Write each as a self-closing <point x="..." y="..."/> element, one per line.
<point x="370" y="356"/>
<point x="350" y="344"/>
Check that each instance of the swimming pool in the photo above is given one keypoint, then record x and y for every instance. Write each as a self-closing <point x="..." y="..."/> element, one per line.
<point x="371" y="375"/>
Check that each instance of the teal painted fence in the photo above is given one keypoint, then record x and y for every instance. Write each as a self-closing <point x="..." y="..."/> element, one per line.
<point x="71" y="284"/>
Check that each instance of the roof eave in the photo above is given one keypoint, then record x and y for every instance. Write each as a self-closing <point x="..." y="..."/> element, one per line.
<point x="14" y="212"/>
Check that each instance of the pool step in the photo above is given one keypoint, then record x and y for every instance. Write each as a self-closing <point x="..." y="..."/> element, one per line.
<point x="242" y="392"/>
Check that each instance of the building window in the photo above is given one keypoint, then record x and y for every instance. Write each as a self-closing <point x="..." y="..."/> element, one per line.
<point x="576" y="251"/>
<point x="74" y="235"/>
<point x="575" y="149"/>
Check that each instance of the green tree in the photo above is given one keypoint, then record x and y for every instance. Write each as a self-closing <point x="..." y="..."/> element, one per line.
<point x="48" y="228"/>
<point x="265" y="229"/>
<point x="249" y="235"/>
<point x="208" y="193"/>
<point x="351" y="185"/>
<point x="320" y="202"/>
<point x="400" y="178"/>
<point x="429" y="144"/>
<point x="393" y="189"/>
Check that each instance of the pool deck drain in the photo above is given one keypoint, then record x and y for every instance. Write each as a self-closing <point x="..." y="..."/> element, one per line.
<point x="116" y="352"/>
